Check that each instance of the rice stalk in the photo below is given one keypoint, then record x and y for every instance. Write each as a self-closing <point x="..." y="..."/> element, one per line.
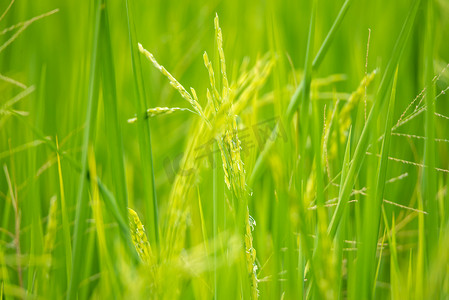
<point x="82" y="209"/>
<point x="12" y="81"/>
<point x="139" y="238"/>
<point x="22" y="26"/>
<point x="158" y="111"/>
<point x="218" y="122"/>
<point x="251" y="255"/>
<point x="6" y="10"/>
<point x="175" y="83"/>
<point x="65" y="217"/>
<point x="105" y="256"/>
<point x="143" y="128"/>
<point x="219" y="39"/>
<point x="215" y="96"/>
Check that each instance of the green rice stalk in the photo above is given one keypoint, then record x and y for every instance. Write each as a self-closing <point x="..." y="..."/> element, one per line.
<point x="109" y="284"/>
<point x="175" y="83"/>
<point x="81" y="202"/>
<point x="214" y="95"/>
<point x="114" y="132"/>
<point x="12" y="81"/>
<point x="143" y="130"/>
<point x="221" y="124"/>
<point x="158" y="111"/>
<point x="429" y="174"/>
<point x="219" y="38"/>
<point x="139" y="238"/>
<point x="372" y="209"/>
<point x="22" y="26"/>
<point x="65" y="218"/>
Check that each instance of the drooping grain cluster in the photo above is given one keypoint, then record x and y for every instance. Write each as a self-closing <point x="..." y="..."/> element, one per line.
<point x="191" y="98"/>
<point x="218" y="123"/>
<point x="158" y="111"/>
<point x="139" y="237"/>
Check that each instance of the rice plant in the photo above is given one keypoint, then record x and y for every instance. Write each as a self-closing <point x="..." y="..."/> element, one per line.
<point x="224" y="149"/>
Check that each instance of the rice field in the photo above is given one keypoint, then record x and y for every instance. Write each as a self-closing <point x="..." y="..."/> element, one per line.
<point x="224" y="149"/>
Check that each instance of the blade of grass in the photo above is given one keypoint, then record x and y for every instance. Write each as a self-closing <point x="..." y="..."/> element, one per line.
<point x="396" y="282"/>
<point x="304" y="257"/>
<point x="81" y="199"/>
<point x="303" y="115"/>
<point x="113" y="132"/>
<point x="429" y="182"/>
<point x="376" y="275"/>
<point x="372" y="209"/>
<point x="33" y="209"/>
<point x="339" y="240"/>
<point x="110" y="286"/>
<point x="65" y="219"/>
<point x="217" y="194"/>
<point x="143" y="131"/>
<point x="421" y="255"/>
<point x="438" y="270"/>
<point x="303" y="124"/>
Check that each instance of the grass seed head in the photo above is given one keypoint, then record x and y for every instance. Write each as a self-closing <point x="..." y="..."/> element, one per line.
<point x="139" y="237"/>
<point x="174" y="83"/>
<point x="157" y="111"/>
